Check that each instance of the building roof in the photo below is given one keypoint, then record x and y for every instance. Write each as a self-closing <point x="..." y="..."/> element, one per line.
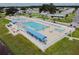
<point x="57" y="15"/>
<point x="36" y="34"/>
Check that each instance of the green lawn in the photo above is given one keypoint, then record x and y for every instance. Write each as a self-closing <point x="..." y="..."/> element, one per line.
<point x="64" y="47"/>
<point x="2" y="15"/>
<point x="24" y="14"/>
<point x="37" y="15"/>
<point x="75" y="33"/>
<point x="21" y="45"/>
<point x="67" y="19"/>
<point x="3" y="21"/>
<point x="17" y="44"/>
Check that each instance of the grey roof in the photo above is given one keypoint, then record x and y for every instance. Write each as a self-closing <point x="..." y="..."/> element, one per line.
<point x="57" y="15"/>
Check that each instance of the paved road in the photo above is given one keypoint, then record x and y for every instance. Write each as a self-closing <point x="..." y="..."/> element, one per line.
<point x="76" y="19"/>
<point x="3" y="49"/>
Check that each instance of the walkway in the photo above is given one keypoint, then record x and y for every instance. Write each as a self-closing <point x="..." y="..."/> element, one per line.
<point x="71" y="38"/>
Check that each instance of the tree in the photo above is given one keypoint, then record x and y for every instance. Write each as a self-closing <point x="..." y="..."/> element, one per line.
<point x="1" y="9"/>
<point x="2" y="14"/>
<point x="44" y="8"/>
<point x="11" y="11"/>
<point x="48" y="7"/>
<point x="52" y="8"/>
<point x="24" y="9"/>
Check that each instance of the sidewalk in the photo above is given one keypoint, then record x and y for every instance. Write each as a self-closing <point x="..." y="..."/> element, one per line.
<point x="71" y="38"/>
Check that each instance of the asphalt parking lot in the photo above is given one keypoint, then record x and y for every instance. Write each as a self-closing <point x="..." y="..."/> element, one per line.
<point x="4" y="50"/>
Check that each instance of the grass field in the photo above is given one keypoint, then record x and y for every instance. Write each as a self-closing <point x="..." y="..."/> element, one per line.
<point x="21" y="45"/>
<point x="67" y="19"/>
<point x="64" y="47"/>
<point x="37" y="15"/>
<point x="75" y="33"/>
<point x="17" y="44"/>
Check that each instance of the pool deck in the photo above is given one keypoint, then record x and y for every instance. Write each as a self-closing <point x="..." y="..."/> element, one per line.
<point x="52" y="35"/>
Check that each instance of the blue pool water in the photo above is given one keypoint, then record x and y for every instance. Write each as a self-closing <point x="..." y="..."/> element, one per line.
<point x="59" y="29"/>
<point x="35" y="25"/>
<point x="20" y="19"/>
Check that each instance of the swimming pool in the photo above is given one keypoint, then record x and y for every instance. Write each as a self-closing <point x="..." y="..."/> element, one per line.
<point x="60" y="29"/>
<point x="35" y="26"/>
<point x="20" y="19"/>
